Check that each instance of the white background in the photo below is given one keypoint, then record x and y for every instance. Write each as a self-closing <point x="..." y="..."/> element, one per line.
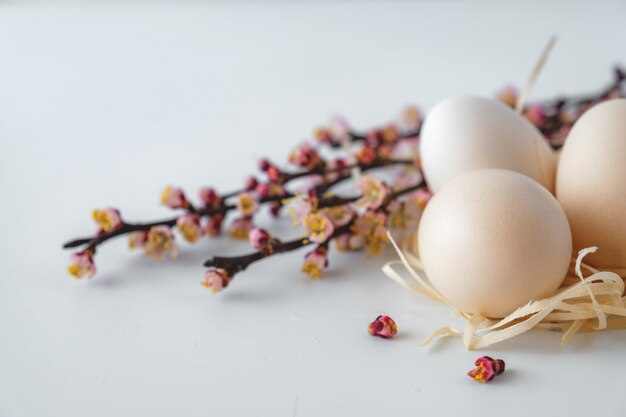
<point x="104" y="106"/>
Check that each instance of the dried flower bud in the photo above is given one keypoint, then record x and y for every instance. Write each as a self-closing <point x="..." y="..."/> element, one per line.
<point x="189" y="226"/>
<point x="216" y="279"/>
<point x="264" y="165"/>
<point x="174" y="198"/>
<point x="316" y="262"/>
<point x="486" y="369"/>
<point x="318" y="227"/>
<point x="209" y="197"/>
<point x="107" y="219"/>
<point x="247" y="204"/>
<point x="383" y="326"/>
<point x="82" y="264"/>
<point x="160" y="243"/>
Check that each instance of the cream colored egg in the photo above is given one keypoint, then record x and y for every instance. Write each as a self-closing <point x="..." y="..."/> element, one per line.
<point x="591" y="183"/>
<point x="492" y="240"/>
<point x="462" y="134"/>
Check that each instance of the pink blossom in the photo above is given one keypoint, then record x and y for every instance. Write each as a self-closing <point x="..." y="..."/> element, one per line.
<point x="251" y="183"/>
<point x="422" y="197"/>
<point x="216" y="279"/>
<point x="339" y="129"/>
<point x="174" y="198"/>
<point x="536" y="114"/>
<point x="302" y="204"/>
<point x="486" y="369"/>
<point x="305" y="156"/>
<point x="372" y="227"/>
<point x="336" y="172"/>
<point x="411" y="118"/>
<point x="213" y="225"/>
<point x="247" y="204"/>
<point x="383" y="326"/>
<point x="270" y="190"/>
<point x="240" y="228"/>
<point x="137" y="239"/>
<point x="315" y="262"/>
<point x="366" y="155"/>
<point x="209" y="197"/>
<point x="318" y="226"/>
<point x="189" y="226"/>
<point x="107" y="219"/>
<point x="349" y="242"/>
<point x="374" y="192"/>
<point x="259" y="238"/>
<point x="160" y="243"/>
<point x="340" y="215"/>
<point x="82" y="264"/>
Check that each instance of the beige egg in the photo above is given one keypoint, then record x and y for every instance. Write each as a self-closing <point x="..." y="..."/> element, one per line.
<point x="462" y="134"/>
<point x="591" y="183"/>
<point x="492" y="240"/>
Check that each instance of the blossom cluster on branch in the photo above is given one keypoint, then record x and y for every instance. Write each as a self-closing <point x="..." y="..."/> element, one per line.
<point x="350" y="223"/>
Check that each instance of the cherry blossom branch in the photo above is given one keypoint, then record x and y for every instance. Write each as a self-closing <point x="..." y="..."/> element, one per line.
<point x="222" y="209"/>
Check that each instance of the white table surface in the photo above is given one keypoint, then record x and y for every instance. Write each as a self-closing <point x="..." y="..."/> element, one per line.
<point x="104" y="106"/>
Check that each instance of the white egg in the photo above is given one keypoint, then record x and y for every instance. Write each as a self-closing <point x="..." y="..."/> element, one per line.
<point x="591" y="183"/>
<point x="462" y="134"/>
<point x="493" y="240"/>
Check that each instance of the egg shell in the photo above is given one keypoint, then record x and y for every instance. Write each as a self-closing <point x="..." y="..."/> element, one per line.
<point x="591" y="183"/>
<point x="493" y="240"/>
<point x="465" y="133"/>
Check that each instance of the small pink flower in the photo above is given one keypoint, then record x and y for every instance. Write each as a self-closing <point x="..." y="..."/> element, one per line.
<point x="189" y="226"/>
<point x="383" y="326"/>
<point x="209" y="197"/>
<point x="366" y="155"/>
<point x="315" y="262"/>
<point x="216" y="279"/>
<point x="174" y="198"/>
<point x="305" y="156"/>
<point x="486" y="369"/>
<point x="160" y="243"/>
<point x="318" y="227"/>
<point x="213" y="225"/>
<point x="349" y="242"/>
<point x="259" y="238"/>
<point x="411" y="118"/>
<point x="240" y="228"/>
<point x="372" y="227"/>
<point x="536" y="114"/>
<point x="422" y="197"/>
<point x="302" y="204"/>
<point x="107" y="219"/>
<point x="274" y="174"/>
<point x="82" y="264"/>
<point x="340" y="215"/>
<point x="508" y="96"/>
<point x="374" y="192"/>
<point x="323" y="135"/>
<point x="339" y="129"/>
<point x="137" y="239"/>
<point x="247" y="204"/>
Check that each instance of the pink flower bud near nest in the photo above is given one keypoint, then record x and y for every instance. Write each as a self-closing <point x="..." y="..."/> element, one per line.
<point x="209" y="197"/>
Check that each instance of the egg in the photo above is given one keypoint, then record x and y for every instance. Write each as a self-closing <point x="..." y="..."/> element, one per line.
<point x="591" y="183"/>
<point x="493" y="240"/>
<point x="465" y="133"/>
